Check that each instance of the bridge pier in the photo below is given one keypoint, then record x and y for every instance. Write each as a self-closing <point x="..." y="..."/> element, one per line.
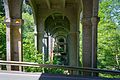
<point x="13" y="31"/>
<point x="87" y="44"/>
<point x="72" y="50"/>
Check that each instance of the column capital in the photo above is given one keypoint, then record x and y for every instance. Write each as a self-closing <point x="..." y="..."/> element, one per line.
<point x="14" y="22"/>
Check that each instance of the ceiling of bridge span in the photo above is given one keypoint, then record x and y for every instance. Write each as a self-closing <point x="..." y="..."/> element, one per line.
<point x="57" y="22"/>
<point x="54" y="3"/>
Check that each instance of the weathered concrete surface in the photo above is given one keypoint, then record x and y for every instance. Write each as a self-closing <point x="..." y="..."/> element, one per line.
<point x="13" y="15"/>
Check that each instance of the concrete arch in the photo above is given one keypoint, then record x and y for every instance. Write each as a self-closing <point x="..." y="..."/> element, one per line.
<point x="61" y="27"/>
<point x="54" y="11"/>
<point x="60" y="36"/>
<point x="60" y="31"/>
<point x="55" y="21"/>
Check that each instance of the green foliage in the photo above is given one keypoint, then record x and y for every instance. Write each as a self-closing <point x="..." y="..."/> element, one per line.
<point x="2" y="12"/>
<point x="109" y="37"/>
<point x="2" y="39"/>
<point x="30" y="53"/>
<point x="26" y="8"/>
<point x="53" y="70"/>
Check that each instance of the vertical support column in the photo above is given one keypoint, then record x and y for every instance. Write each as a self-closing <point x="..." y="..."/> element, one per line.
<point x="45" y="40"/>
<point x="35" y="35"/>
<point x="50" y="49"/>
<point x="94" y="42"/>
<point x="13" y="21"/>
<point x="87" y="43"/>
<point x="95" y="20"/>
<point x="8" y="43"/>
<point x="73" y="55"/>
<point x="14" y="42"/>
<point x="39" y="41"/>
<point x="40" y="34"/>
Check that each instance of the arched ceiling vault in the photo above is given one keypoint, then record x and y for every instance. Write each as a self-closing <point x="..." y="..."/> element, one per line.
<point x="69" y="8"/>
<point x="60" y="31"/>
<point x="56" y="22"/>
<point x="50" y="4"/>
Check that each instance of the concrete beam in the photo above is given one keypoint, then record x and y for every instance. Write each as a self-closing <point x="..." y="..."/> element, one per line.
<point x="48" y="4"/>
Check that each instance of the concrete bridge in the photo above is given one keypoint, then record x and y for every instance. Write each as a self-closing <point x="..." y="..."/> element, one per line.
<point x="57" y="22"/>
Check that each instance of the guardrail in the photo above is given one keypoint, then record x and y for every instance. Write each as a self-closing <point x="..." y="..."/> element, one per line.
<point x="16" y="63"/>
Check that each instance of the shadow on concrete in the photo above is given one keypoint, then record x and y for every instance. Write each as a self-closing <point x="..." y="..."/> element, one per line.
<point x="45" y="76"/>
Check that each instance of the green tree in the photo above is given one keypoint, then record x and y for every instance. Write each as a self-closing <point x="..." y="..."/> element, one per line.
<point x="30" y="54"/>
<point x="2" y="39"/>
<point x="108" y="35"/>
<point x="2" y="12"/>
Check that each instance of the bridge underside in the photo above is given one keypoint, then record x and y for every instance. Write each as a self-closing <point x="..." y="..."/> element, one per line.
<point x="60" y="20"/>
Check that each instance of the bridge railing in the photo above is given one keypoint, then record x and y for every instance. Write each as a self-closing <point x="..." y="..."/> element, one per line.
<point x="16" y="63"/>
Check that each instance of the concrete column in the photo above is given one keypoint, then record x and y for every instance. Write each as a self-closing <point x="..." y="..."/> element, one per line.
<point x="87" y="43"/>
<point x="50" y="48"/>
<point x="40" y="34"/>
<point x="95" y="20"/>
<point x="45" y="46"/>
<point x="94" y="42"/>
<point x="35" y="37"/>
<point x="13" y="14"/>
<point x="72" y="50"/>
<point x="40" y="41"/>
<point x="14" y="42"/>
